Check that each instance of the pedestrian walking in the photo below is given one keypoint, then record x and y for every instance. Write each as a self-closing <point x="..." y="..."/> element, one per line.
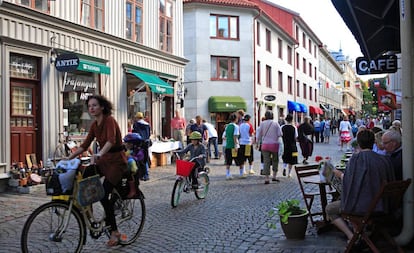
<point x="322" y="130"/>
<point x="327" y="130"/>
<point x="232" y="147"/>
<point x="305" y="131"/>
<point x="316" y="130"/>
<point x="178" y="126"/>
<point x="188" y="130"/>
<point x="200" y="127"/>
<point x="246" y="150"/>
<point x="290" y="150"/>
<point x="212" y="140"/>
<point x="269" y="134"/>
<point x="345" y="132"/>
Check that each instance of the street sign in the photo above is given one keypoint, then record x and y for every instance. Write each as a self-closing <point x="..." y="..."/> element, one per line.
<point x="383" y="64"/>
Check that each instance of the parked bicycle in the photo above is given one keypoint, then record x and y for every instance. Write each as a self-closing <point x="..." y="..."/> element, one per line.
<point x="183" y="182"/>
<point x="62" y="224"/>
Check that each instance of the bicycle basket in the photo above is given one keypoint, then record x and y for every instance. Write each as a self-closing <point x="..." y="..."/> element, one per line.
<point x="184" y="167"/>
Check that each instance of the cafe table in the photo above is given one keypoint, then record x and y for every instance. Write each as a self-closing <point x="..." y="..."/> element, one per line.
<point x="322" y="184"/>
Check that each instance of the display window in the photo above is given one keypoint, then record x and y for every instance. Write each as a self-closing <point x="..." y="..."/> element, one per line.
<point x="77" y="86"/>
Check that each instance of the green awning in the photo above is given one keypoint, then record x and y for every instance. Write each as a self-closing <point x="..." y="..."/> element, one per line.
<point x="94" y="67"/>
<point x="156" y="84"/>
<point x="226" y="104"/>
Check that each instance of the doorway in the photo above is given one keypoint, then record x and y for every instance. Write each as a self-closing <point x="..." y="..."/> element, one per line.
<point x="24" y="120"/>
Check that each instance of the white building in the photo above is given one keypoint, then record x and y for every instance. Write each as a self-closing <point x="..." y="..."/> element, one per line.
<point x="252" y="55"/>
<point x="118" y="47"/>
<point x="330" y="84"/>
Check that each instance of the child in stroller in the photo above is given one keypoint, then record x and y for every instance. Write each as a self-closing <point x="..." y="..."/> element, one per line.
<point x="196" y="149"/>
<point x="137" y="157"/>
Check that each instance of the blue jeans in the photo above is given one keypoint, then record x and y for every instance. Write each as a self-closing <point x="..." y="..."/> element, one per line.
<point x="213" y="141"/>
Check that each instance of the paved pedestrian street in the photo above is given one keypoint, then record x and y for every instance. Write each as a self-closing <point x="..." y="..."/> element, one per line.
<point x="233" y="217"/>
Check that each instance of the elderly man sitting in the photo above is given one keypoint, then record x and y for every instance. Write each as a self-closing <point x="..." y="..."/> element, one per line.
<point x="365" y="172"/>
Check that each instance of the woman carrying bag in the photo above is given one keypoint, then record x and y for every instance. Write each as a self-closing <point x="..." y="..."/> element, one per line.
<point x="269" y="133"/>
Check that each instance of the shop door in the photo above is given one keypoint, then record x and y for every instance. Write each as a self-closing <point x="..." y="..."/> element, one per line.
<point x="24" y="106"/>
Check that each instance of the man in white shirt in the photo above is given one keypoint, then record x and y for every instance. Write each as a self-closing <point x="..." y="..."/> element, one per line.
<point x="246" y="133"/>
<point x="212" y="139"/>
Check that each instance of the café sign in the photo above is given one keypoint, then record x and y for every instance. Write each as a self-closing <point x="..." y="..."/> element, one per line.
<point x="383" y="64"/>
<point x="67" y="62"/>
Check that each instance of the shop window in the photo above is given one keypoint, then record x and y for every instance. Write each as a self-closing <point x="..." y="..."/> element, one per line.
<point x="139" y="98"/>
<point x="77" y="87"/>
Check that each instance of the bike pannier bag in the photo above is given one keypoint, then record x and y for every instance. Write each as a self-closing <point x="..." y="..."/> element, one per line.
<point x="90" y="190"/>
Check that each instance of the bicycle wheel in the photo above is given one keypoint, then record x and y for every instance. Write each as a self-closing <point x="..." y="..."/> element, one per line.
<point x="203" y="183"/>
<point x="130" y="218"/>
<point x="178" y="188"/>
<point x="43" y="230"/>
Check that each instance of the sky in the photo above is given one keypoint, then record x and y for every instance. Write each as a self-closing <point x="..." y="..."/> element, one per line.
<point x="322" y="17"/>
<point x="324" y="20"/>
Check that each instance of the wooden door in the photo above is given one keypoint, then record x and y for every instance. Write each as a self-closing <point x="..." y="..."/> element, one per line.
<point x="24" y="118"/>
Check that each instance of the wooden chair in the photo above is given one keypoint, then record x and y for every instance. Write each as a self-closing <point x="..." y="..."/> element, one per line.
<point x="391" y="194"/>
<point x="309" y="170"/>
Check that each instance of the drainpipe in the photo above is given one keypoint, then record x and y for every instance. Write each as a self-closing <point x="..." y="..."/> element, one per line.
<point x="407" y="76"/>
<point x="295" y="115"/>
<point x="256" y="120"/>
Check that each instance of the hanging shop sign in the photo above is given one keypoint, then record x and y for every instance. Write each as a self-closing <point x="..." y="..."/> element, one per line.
<point x="269" y="97"/>
<point x="383" y="64"/>
<point x="67" y="62"/>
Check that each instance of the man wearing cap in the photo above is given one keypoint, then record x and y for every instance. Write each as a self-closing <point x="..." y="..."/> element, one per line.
<point x="141" y="126"/>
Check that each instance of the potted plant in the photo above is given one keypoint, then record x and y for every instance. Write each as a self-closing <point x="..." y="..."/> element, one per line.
<point x="293" y="218"/>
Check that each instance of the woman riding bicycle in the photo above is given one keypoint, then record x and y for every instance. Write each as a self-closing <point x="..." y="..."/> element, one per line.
<point x="111" y="159"/>
<point x="196" y="149"/>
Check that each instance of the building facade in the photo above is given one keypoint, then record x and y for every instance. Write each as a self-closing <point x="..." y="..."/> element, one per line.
<point x="56" y="53"/>
<point x="330" y="80"/>
<point x="251" y="55"/>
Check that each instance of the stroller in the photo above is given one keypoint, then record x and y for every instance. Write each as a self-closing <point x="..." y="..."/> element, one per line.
<point x="137" y="151"/>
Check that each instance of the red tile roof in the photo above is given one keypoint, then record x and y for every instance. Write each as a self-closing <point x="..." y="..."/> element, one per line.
<point x="239" y="3"/>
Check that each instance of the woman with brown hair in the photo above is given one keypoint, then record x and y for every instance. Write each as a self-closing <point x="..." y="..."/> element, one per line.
<point x="110" y="158"/>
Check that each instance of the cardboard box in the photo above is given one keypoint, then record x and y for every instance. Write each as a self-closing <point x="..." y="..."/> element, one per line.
<point x="154" y="160"/>
<point x="162" y="159"/>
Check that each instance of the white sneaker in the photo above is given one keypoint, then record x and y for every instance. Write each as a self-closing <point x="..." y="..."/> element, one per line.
<point x="252" y="171"/>
<point x="229" y="177"/>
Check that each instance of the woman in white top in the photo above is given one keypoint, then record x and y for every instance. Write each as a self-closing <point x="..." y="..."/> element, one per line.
<point x="345" y="132"/>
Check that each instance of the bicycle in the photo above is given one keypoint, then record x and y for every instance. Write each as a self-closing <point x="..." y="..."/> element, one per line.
<point x="61" y="225"/>
<point x="183" y="182"/>
<point x="64" y="147"/>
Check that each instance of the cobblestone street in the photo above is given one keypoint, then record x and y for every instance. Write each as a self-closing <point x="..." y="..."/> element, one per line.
<point x="233" y="217"/>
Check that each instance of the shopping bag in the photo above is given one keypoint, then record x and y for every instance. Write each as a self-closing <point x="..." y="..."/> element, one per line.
<point x="247" y="150"/>
<point x="90" y="190"/>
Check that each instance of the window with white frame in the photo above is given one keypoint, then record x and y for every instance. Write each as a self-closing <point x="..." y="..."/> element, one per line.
<point x="224" y="27"/>
<point x="39" y="5"/>
<point x="166" y="25"/>
<point x="134" y="20"/>
<point x="93" y="14"/>
<point x="225" y="68"/>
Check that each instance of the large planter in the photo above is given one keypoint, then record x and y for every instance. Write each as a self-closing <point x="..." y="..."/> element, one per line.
<point x="296" y="226"/>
